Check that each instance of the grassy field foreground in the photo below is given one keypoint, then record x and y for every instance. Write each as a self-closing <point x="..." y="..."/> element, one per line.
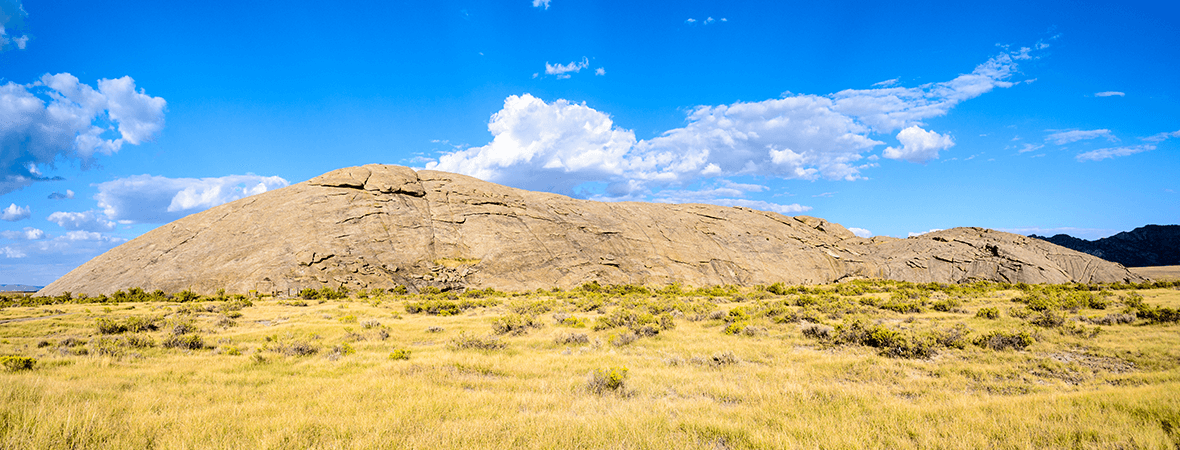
<point x="860" y="364"/>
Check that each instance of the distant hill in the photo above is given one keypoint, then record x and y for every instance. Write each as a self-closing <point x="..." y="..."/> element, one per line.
<point x="1151" y="245"/>
<point x="19" y="288"/>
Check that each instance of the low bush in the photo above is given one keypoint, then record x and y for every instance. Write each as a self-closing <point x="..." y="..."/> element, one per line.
<point x="817" y="331"/>
<point x="947" y="305"/>
<point x="515" y="324"/>
<point x="447" y="307"/>
<point x="999" y="340"/>
<point x="399" y="354"/>
<point x="1112" y="319"/>
<point x="719" y="359"/>
<point x="571" y="338"/>
<point x="988" y="313"/>
<point x="605" y="381"/>
<point x="466" y="341"/>
<point x="17" y="363"/>
<point x="185" y="341"/>
<point x="889" y="342"/>
<point x="622" y="338"/>
<point x="1047" y="319"/>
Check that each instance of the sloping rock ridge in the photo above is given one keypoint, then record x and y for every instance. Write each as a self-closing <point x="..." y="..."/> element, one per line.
<point x="1150" y="245"/>
<point x="382" y="226"/>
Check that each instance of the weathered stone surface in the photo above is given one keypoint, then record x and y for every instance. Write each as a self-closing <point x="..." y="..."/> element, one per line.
<point x="380" y="226"/>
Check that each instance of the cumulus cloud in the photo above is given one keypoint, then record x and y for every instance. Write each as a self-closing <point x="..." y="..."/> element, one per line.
<point x="86" y="221"/>
<point x="60" y="196"/>
<point x="10" y="252"/>
<point x="600" y="71"/>
<point x="14" y="213"/>
<point x="1109" y="94"/>
<point x="1115" y="152"/>
<point x="157" y="199"/>
<point x="541" y="4"/>
<point x="861" y="232"/>
<point x="28" y="234"/>
<point x="1162" y="136"/>
<point x="58" y="118"/>
<point x="1065" y="137"/>
<point x="918" y="145"/>
<point x="560" y="145"/>
<point x="563" y="70"/>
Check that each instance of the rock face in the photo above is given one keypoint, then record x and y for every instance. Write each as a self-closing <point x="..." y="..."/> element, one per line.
<point x="381" y="226"/>
<point x="1151" y="245"/>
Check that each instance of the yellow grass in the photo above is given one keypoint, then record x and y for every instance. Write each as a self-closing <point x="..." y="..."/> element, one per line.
<point x="1118" y="389"/>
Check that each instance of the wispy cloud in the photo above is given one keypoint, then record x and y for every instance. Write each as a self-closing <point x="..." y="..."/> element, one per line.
<point x="1109" y="94"/>
<point x="12" y="22"/>
<point x="60" y="196"/>
<point x="1162" y="136"/>
<point x="28" y="234"/>
<point x="81" y="221"/>
<point x="1115" y="152"/>
<point x="1065" y="137"/>
<point x="600" y="71"/>
<point x="563" y="70"/>
<point x="541" y="4"/>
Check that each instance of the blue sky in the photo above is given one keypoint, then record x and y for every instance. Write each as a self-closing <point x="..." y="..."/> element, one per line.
<point x="1030" y="117"/>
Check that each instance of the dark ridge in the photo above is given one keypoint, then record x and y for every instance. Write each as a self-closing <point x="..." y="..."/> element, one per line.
<point x="19" y="288"/>
<point x="1150" y="245"/>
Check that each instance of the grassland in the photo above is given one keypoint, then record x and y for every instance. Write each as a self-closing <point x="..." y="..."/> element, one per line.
<point x="864" y="364"/>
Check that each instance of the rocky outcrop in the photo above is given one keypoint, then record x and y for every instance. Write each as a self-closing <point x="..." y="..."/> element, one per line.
<point x="381" y="226"/>
<point x="1150" y="245"/>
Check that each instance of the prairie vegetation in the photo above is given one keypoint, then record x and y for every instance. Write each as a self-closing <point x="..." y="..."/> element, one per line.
<point x="857" y="364"/>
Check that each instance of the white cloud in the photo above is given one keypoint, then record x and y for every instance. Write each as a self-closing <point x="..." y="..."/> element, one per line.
<point x="29" y="234"/>
<point x="563" y="70"/>
<point x="1162" y="136"/>
<point x="709" y="20"/>
<point x="157" y="199"/>
<point x="89" y="221"/>
<point x="12" y="18"/>
<point x="541" y="3"/>
<point x="1104" y="153"/>
<point x="861" y="232"/>
<point x="1065" y="137"/>
<point x="1030" y="147"/>
<point x="600" y="71"/>
<point x="690" y="20"/>
<point x="918" y="145"/>
<point x="60" y="196"/>
<point x="559" y="145"/>
<point x="57" y="118"/>
<point x="14" y="213"/>
<point x="10" y="252"/>
<point x="1109" y="94"/>
<point x="912" y="234"/>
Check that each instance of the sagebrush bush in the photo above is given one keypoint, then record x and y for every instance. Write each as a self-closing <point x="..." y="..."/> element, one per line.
<point x="610" y="380"/>
<point x="184" y="341"/>
<point x="1047" y="319"/>
<point x="466" y="341"/>
<point x="515" y="324"/>
<point x="988" y="313"/>
<point x="1112" y="319"/>
<point x="816" y="331"/>
<point x="17" y="363"/>
<point x="622" y="338"/>
<point x="571" y="338"/>
<point x="999" y="340"/>
<point x="399" y="354"/>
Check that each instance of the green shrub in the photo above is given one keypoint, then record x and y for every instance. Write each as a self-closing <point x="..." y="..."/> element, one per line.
<point x="466" y="341"/>
<point x="947" y="305"/>
<point x="988" y="313"/>
<point x="890" y="343"/>
<point x="901" y="306"/>
<point x="348" y="319"/>
<point x="187" y="296"/>
<point x="611" y="380"/>
<point x="109" y="326"/>
<point x="17" y="363"/>
<point x="185" y="341"/>
<point x="735" y="328"/>
<point x="399" y="354"/>
<point x="999" y="340"/>
<point x="515" y="324"/>
<point x="1047" y="319"/>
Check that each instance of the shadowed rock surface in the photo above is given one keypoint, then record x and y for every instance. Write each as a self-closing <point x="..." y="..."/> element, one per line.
<point x="381" y="226"/>
<point x="1150" y="245"/>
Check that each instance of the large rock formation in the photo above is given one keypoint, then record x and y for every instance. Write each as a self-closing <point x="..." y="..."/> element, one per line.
<point x="380" y="226"/>
<point x="1150" y="245"/>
